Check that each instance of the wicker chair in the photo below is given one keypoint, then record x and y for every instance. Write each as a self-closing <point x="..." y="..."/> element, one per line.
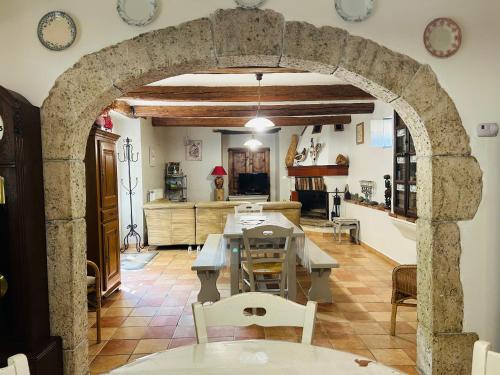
<point x="404" y="287"/>
<point x="93" y="286"/>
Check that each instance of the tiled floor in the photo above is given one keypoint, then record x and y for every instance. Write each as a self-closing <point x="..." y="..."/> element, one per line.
<point x="152" y="312"/>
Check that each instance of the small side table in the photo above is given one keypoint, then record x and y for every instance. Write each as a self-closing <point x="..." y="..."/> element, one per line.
<point x="341" y="223"/>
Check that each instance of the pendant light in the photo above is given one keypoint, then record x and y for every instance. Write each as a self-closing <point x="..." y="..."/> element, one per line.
<point x="258" y="122"/>
<point x="253" y="143"/>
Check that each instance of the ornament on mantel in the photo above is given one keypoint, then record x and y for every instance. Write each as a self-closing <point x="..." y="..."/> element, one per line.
<point x="314" y="150"/>
<point x="341" y="160"/>
<point x="302" y="156"/>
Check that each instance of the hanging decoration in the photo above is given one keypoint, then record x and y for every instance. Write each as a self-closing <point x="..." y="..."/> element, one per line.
<point x="314" y="150"/>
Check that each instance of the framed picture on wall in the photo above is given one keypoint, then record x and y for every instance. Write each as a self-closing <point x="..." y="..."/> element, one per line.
<point x="194" y="150"/>
<point x="360" y="133"/>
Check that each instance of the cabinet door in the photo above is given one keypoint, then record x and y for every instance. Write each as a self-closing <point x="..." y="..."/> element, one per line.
<point x="238" y="163"/>
<point x="259" y="161"/>
<point x="111" y="248"/>
<point x="108" y="177"/>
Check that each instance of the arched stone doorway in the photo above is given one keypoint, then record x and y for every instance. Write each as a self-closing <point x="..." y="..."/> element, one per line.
<point x="450" y="179"/>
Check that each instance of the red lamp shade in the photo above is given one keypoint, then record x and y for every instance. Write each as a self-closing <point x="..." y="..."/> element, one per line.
<point x="219" y="171"/>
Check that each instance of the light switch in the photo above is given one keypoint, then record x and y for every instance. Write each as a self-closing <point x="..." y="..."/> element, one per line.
<point x="487" y="130"/>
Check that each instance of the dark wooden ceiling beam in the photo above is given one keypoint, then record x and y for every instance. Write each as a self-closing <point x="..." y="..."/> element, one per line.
<point x="221" y="122"/>
<point x="123" y="108"/>
<point x="249" y="93"/>
<point x="250" y="110"/>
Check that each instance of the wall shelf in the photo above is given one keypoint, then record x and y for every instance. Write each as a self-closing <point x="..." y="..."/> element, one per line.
<point x="318" y="171"/>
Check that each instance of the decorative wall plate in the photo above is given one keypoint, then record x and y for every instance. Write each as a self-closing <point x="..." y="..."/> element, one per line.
<point x="56" y="31"/>
<point x="442" y="37"/>
<point x="354" y="10"/>
<point x="250" y="4"/>
<point x="137" y="12"/>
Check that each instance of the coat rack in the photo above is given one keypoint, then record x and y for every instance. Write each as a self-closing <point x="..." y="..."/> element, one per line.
<point x="129" y="158"/>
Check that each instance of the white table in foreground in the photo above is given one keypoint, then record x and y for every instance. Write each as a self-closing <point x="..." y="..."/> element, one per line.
<point x="233" y="234"/>
<point x="253" y="357"/>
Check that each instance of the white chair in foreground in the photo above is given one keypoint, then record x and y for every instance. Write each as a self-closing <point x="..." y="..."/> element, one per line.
<point x="16" y="365"/>
<point x="245" y="209"/>
<point x="485" y="361"/>
<point x="236" y="311"/>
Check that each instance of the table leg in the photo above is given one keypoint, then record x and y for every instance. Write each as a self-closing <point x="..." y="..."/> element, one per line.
<point x="234" y="248"/>
<point x="292" y="271"/>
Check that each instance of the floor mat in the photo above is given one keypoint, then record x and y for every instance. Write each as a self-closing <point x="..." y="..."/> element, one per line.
<point x="136" y="261"/>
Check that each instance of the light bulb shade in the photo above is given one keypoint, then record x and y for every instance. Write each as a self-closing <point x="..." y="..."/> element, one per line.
<point x="219" y="171"/>
<point x="253" y="143"/>
<point x="259" y="123"/>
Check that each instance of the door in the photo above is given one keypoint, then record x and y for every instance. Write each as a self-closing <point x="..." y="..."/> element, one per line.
<point x="243" y="160"/>
<point x="108" y="178"/>
<point x="111" y="242"/>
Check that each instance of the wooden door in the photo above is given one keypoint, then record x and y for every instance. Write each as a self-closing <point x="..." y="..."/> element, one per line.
<point x="111" y="239"/>
<point x="243" y="160"/>
<point x="108" y="177"/>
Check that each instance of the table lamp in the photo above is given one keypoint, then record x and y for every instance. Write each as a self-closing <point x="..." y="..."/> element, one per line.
<point x="219" y="171"/>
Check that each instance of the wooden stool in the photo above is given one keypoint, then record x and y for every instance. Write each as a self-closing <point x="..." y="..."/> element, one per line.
<point x="340" y="223"/>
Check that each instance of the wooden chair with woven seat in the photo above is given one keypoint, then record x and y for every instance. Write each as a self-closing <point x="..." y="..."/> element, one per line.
<point x="262" y="266"/>
<point x="404" y="288"/>
<point x="93" y="287"/>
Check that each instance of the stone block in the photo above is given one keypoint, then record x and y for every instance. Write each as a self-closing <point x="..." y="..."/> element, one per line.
<point x="76" y="360"/>
<point x="67" y="281"/>
<point x="449" y="187"/>
<point x="376" y="69"/>
<point x="444" y="354"/>
<point x="248" y="37"/>
<point x="310" y="48"/>
<point x="64" y="184"/>
<point x="424" y="100"/>
<point x="440" y="294"/>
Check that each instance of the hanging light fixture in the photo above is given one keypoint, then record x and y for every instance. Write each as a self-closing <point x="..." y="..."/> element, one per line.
<point x="258" y="122"/>
<point x="252" y="143"/>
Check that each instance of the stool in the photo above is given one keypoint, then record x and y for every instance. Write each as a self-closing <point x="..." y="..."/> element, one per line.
<point x="339" y="224"/>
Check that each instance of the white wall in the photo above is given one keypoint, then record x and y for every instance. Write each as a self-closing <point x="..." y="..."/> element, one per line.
<point x="152" y="175"/>
<point x="470" y="77"/>
<point x="130" y="128"/>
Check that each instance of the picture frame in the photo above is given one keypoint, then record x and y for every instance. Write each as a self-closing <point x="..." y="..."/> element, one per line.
<point x="360" y="133"/>
<point x="194" y="150"/>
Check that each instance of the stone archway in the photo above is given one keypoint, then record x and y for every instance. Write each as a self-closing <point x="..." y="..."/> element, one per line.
<point x="450" y="179"/>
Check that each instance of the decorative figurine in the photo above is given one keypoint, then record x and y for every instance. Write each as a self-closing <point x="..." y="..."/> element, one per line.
<point x="388" y="191"/>
<point x="300" y="157"/>
<point x="347" y="193"/>
<point x="341" y="160"/>
<point x="314" y="150"/>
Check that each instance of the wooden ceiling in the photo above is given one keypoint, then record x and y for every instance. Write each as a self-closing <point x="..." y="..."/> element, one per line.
<point x="236" y="115"/>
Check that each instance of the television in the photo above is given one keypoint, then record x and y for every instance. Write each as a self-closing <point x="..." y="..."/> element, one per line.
<point x="253" y="183"/>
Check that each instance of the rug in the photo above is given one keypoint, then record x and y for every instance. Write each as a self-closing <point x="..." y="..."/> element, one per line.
<point x="136" y="261"/>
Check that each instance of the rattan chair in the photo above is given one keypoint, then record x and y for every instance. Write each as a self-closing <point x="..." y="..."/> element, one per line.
<point x="93" y="287"/>
<point x="404" y="287"/>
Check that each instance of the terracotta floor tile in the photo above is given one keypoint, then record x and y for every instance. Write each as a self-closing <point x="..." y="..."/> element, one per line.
<point x="137" y="321"/>
<point x="412" y="353"/>
<point x="129" y="333"/>
<point x="163" y="320"/>
<point x="363" y="353"/>
<point x="111" y="321"/>
<point x="144" y="311"/>
<point x="175" y="343"/>
<point x="106" y="363"/>
<point x="350" y="307"/>
<point x="385" y="342"/>
<point x="381" y="316"/>
<point x="346" y="342"/>
<point x="151" y="346"/>
<point x="95" y="348"/>
<point x="337" y="328"/>
<point x="133" y="357"/>
<point x="377" y="307"/>
<point x="367" y="328"/>
<point x="162" y="332"/>
<point x="392" y="357"/>
<point x="114" y="347"/>
<point x="355" y="316"/>
<point x="409" y="370"/>
<point x="184" y="332"/>
<point x="106" y="333"/>
<point x="118" y="311"/>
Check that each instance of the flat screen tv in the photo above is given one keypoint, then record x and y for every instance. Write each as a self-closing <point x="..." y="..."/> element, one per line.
<point x="253" y="183"/>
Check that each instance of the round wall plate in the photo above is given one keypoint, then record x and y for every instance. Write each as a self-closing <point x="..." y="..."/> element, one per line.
<point x="137" y="12"/>
<point x="250" y="4"/>
<point x="56" y="31"/>
<point x="442" y="37"/>
<point x="354" y="10"/>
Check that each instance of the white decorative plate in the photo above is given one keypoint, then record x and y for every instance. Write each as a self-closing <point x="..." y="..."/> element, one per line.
<point x="56" y="31"/>
<point x="250" y="4"/>
<point x="137" y="12"/>
<point x="354" y="10"/>
<point x="442" y="37"/>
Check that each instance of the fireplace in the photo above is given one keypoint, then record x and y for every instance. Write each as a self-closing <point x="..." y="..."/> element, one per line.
<point x="314" y="204"/>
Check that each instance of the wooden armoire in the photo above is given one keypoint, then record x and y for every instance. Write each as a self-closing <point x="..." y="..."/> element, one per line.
<point x="103" y="228"/>
<point x="24" y="297"/>
<point x="245" y="160"/>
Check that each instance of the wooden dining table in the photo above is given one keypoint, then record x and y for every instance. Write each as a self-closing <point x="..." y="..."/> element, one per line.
<point x="254" y="357"/>
<point x="233" y="235"/>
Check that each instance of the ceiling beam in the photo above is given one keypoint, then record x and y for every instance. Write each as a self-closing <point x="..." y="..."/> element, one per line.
<point x="123" y="108"/>
<point x="220" y="122"/>
<point x="251" y="110"/>
<point x="248" y="93"/>
<point x="250" y="70"/>
<point x="246" y="132"/>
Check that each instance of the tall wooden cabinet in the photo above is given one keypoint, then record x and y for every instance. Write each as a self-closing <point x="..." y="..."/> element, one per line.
<point x="24" y="297"/>
<point x="103" y="229"/>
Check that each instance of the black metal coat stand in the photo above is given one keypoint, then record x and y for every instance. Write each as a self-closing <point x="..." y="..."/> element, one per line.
<point x="129" y="158"/>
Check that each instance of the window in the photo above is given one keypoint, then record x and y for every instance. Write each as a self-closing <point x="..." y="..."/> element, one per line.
<point x="381" y="132"/>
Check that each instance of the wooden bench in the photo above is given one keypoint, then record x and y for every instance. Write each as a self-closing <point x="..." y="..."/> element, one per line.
<point x="320" y="265"/>
<point x="207" y="265"/>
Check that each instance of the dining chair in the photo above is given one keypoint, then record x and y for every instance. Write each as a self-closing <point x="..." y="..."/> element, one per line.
<point x="404" y="287"/>
<point x="94" y="287"/>
<point x="263" y="265"/>
<point x="16" y="365"/>
<point x="485" y="361"/>
<point x="274" y="311"/>
<point x="248" y="208"/>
